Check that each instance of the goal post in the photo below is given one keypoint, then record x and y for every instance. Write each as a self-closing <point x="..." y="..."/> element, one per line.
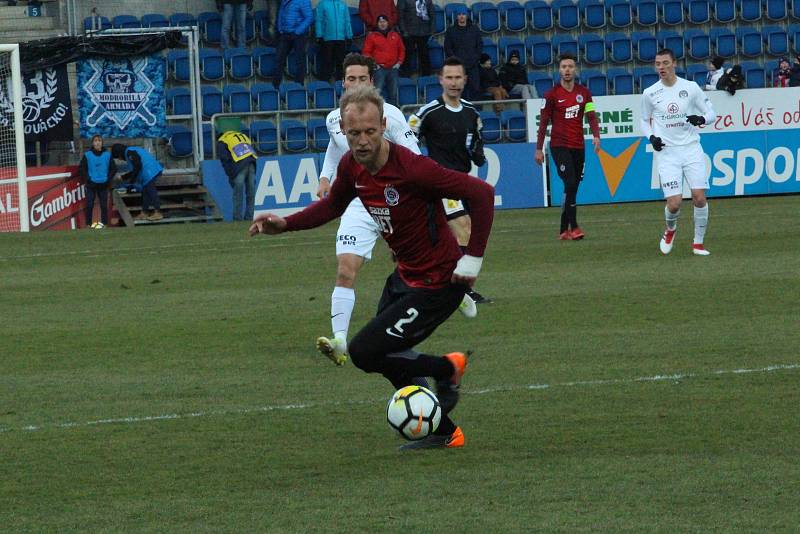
<point x="14" y="213"/>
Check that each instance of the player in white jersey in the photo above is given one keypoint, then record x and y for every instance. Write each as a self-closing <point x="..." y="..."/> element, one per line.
<point x="357" y="231"/>
<point x="672" y="110"/>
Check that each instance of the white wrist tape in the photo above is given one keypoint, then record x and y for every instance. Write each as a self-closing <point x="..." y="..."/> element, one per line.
<point x="468" y="266"/>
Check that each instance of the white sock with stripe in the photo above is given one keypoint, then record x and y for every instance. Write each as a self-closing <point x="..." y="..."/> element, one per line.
<point x="343" y="300"/>
<point x="700" y="224"/>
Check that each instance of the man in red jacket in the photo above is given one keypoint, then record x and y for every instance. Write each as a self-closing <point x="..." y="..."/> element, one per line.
<point x="369" y="10"/>
<point x="386" y="47"/>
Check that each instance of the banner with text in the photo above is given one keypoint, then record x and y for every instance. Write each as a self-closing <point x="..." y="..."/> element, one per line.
<point x="46" y="105"/>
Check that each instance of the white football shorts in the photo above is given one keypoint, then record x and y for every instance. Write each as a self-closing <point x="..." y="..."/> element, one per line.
<point x="453" y="208"/>
<point x="357" y="231"/>
<point x="674" y="163"/>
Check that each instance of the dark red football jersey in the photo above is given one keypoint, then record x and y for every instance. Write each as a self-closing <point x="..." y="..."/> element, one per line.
<point x="405" y="200"/>
<point x="565" y="109"/>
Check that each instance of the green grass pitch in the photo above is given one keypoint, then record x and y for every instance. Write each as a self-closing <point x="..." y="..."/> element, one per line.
<point x="165" y="379"/>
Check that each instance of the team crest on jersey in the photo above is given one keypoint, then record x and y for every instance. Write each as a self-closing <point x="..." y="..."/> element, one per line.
<point x="672" y="108"/>
<point x="562" y="167"/>
<point x="391" y="195"/>
<point x="579" y="99"/>
<point x="683" y="94"/>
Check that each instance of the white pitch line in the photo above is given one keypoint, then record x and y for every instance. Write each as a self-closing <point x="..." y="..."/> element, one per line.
<point x="309" y="405"/>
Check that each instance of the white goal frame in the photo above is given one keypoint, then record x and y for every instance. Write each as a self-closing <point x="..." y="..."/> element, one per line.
<point x="19" y="134"/>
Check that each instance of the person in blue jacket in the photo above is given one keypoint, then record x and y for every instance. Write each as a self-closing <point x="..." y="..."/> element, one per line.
<point x="97" y="167"/>
<point x="334" y="32"/>
<point x="294" y="19"/>
<point x="145" y="169"/>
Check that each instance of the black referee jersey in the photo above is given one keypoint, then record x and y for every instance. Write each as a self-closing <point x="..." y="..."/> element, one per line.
<point x="453" y="136"/>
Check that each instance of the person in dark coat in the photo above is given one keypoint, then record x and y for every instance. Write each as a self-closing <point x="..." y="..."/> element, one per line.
<point x="490" y="82"/>
<point x="416" y="22"/>
<point x="463" y="40"/>
<point x="514" y="78"/>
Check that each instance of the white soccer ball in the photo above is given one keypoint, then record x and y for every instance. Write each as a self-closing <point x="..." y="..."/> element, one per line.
<point x="414" y="412"/>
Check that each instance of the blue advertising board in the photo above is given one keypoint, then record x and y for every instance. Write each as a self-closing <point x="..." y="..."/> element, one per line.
<point x="286" y="184"/>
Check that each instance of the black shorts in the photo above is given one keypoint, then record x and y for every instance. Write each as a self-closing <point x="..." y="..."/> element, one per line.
<point x="407" y="315"/>
<point x="569" y="163"/>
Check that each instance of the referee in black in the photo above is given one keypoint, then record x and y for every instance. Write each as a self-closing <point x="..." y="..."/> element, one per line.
<point x="451" y="128"/>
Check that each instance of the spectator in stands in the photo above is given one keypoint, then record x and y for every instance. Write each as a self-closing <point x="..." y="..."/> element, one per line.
<point x="783" y="74"/>
<point x="416" y="22"/>
<point x="715" y="72"/>
<point x="239" y="161"/>
<point x="145" y="170"/>
<point x="732" y="80"/>
<point x="514" y="78"/>
<point x="463" y="40"/>
<point x="369" y="10"/>
<point x="294" y="18"/>
<point x="234" y="9"/>
<point x="334" y="32"/>
<point x="97" y="167"/>
<point x="385" y="46"/>
<point x="490" y="82"/>
<point x="794" y="79"/>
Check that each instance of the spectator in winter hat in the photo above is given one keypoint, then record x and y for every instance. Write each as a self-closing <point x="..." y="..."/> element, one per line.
<point x="490" y="82"/>
<point x="782" y="75"/>
<point x="715" y="72"/>
<point x="463" y="40"/>
<point x="514" y="78"/>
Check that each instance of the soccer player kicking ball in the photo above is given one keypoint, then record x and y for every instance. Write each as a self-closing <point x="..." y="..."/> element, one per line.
<point x="672" y="109"/>
<point x="402" y="191"/>
<point x="357" y="231"/>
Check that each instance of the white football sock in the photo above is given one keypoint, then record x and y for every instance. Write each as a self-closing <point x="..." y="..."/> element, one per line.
<point x="700" y="224"/>
<point x="671" y="218"/>
<point x="343" y="300"/>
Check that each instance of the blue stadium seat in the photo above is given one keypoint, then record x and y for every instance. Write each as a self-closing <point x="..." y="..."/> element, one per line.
<point x="620" y="49"/>
<point x="294" y="135"/>
<point x="239" y="62"/>
<point x="566" y="14"/>
<point x="96" y="23"/>
<point x="592" y="48"/>
<point x="794" y="9"/>
<point x="775" y="10"/>
<point x="750" y="41"/>
<point x="250" y="28"/>
<point x="182" y="19"/>
<point x="487" y="16"/>
<point x="154" y="20"/>
<point x="620" y="13"/>
<point x="323" y="94"/>
<point x="755" y="76"/>
<point x="724" y="41"/>
<point x="514" y="125"/>
<point x="236" y="98"/>
<point x="266" y="61"/>
<point x="595" y="80"/>
<point x="593" y="13"/>
<point x="508" y="44"/>
<point x="212" y="64"/>
<point x="564" y="43"/>
<point x="540" y="15"/>
<point x="793" y="31"/>
<point x="435" y="54"/>
<point x="698" y="73"/>
<point x="264" y="136"/>
<point x="697" y="43"/>
<point x="645" y="44"/>
<point x="450" y="11"/>
<point x="297" y="64"/>
<point x="439" y="22"/>
<point x="492" y="131"/>
<point x="539" y="50"/>
<point x="265" y="97"/>
<point x="178" y="64"/>
<point x="489" y="47"/>
<point x="672" y="40"/>
<point x="125" y="21"/>
<point x="208" y="142"/>
<point x="541" y="80"/>
<point x="776" y="40"/>
<point x="426" y="85"/>
<point x="179" y="141"/>
<point x="210" y="26"/>
<point x="513" y="16"/>
<point x="698" y="11"/>
<point x="671" y="12"/>
<point x="356" y="24"/>
<point x="724" y="11"/>
<point x="406" y="91"/>
<point x="646" y="12"/>
<point x="179" y="101"/>
<point x="294" y="95"/>
<point x="620" y="81"/>
<point x="318" y="133"/>
<point x="644" y="77"/>
<point x="749" y="10"/>
<point x="211" y="101"/>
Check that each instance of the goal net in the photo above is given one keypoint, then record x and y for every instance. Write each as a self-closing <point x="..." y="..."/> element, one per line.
<point x="13" y="182"/>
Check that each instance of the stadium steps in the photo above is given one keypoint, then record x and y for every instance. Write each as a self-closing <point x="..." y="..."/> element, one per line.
<point x="17" y="27"/>
<point x="182" y="203"/>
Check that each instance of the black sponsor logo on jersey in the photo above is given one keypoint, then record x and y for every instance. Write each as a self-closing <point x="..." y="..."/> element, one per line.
<point x="391" y="195"/>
